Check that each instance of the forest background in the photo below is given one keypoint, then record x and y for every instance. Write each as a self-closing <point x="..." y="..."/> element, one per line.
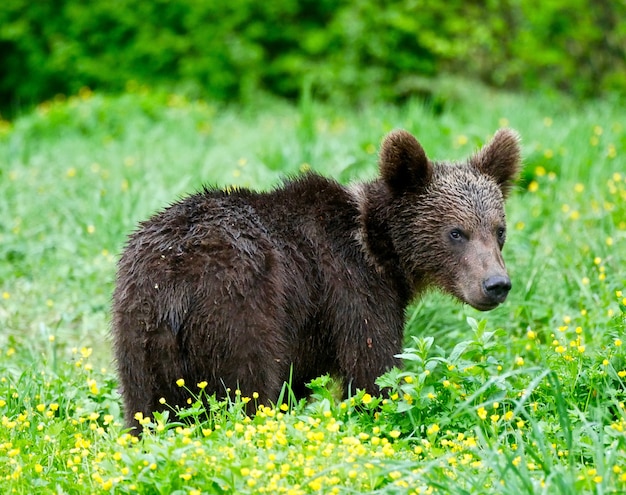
<point x="355" y="51"/>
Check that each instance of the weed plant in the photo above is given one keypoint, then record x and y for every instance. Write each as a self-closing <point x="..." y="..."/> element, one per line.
<point x="526" y="399"/>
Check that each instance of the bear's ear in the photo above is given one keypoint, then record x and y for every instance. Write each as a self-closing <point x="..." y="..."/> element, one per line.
<point x="500" y="159"/>
<point x="403" y="163"/>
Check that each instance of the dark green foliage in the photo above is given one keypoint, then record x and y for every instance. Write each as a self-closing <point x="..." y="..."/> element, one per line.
<point x="221" y="49"/>
<point x="357" y="49"/>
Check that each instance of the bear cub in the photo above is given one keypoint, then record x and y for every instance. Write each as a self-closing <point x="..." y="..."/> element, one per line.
<point x="247" y="290"/>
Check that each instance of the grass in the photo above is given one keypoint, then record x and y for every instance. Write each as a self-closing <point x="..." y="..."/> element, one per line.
<point x="526" y="399"/>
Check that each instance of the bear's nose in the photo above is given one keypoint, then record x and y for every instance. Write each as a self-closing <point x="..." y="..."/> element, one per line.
<point x="497" y="287"/>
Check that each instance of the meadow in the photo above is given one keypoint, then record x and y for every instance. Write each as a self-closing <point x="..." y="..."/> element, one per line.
<point x="526" y="399"/>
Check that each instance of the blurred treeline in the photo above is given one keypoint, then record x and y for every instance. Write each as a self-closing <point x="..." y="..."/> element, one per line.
<point x="355" y="49"/>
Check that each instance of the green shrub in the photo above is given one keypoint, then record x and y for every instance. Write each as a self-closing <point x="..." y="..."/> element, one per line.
<point x="356" y="49"/>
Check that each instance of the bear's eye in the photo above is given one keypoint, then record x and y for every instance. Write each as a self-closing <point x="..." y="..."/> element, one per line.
<point x="456" y="235"/>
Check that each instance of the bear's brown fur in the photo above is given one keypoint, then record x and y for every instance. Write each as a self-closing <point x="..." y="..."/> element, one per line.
<point x="246" y="290"/>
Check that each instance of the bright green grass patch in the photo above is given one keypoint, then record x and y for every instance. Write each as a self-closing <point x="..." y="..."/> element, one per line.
<point x="528" y="398"/>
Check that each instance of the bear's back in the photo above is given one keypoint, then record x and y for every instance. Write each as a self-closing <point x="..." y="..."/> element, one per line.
<point x="223" y="243"/>
<point x="305" y="214"/>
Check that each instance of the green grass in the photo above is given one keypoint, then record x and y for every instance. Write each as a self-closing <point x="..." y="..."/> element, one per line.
<point x="526" y="399"/>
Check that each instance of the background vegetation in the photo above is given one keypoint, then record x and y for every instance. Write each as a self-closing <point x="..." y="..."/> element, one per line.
<point x="359" y="50"/>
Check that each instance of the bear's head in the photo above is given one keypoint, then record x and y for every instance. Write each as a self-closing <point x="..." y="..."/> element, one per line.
<point x="446" y="220"/>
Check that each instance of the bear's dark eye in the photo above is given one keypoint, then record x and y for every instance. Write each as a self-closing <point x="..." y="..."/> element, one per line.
<point x="501" y="233"/>
<point x="456" y="235"/>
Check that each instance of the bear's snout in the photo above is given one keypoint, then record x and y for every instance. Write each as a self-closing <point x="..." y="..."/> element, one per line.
<point x="497" y="287"/>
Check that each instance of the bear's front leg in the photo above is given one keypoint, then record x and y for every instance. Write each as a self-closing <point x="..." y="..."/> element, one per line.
<point x="367" y="345"/>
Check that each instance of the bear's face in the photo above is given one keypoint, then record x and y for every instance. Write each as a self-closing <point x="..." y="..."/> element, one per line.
<point x="463" y="213"/>
<point x="449" y="224"/>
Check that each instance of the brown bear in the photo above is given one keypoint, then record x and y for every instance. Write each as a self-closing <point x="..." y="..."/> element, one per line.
<point x="247" y="290"/>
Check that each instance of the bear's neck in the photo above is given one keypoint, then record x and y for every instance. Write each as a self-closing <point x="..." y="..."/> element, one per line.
<point x="373" y="202"/>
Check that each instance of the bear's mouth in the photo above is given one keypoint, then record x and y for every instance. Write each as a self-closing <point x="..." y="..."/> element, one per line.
<point x="484" y="305"/>
<point x="481" y="301"/>
<point x="492" y="292"/>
